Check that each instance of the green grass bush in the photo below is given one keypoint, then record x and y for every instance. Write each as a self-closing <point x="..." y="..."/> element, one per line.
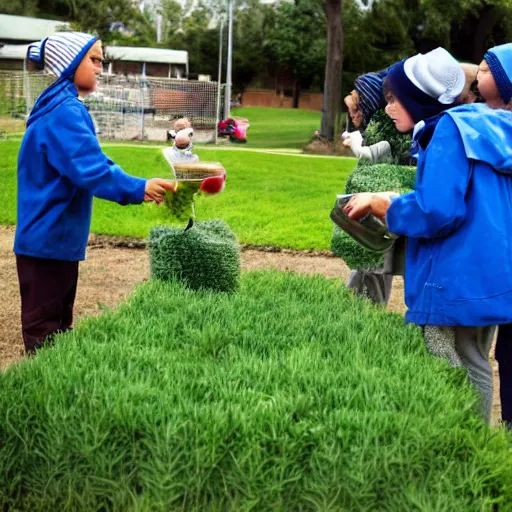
<point x="354" y="254"/>
<point x="289" y="395"/>
<point x="369" y="178"/>
<point x="381" y="127"/>
<point x="381" y="178"/>
<point x="205" y="256"/>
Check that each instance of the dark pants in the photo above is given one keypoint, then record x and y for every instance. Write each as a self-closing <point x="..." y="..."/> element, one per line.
<point x="504" y="358"/>
<point x="48" y="289"/>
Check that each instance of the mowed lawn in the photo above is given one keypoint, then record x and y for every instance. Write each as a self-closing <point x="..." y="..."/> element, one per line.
<point x="278" y="128"/>
<point x="272" y="128"/>
<point x="277" y="200"/>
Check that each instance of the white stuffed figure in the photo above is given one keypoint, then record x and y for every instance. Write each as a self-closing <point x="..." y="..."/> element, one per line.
<point x="182" y="134"/>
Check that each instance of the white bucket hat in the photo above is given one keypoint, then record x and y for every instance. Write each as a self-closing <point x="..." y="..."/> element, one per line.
<point x="437" y="74"/>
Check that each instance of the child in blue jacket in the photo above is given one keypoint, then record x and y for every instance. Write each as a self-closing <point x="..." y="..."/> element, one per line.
<point x="494" y="83"/>
<point x="60" y="168"/>
<point x="458" y="220"/>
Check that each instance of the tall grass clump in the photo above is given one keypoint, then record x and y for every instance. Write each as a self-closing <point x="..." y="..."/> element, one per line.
<point x="370" y="178"/>
<point x="289" y="395"/>
<point x="205" y="256"/>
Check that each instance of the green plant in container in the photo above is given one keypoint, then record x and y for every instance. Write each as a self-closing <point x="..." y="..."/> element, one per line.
<point x="203" y="255"/>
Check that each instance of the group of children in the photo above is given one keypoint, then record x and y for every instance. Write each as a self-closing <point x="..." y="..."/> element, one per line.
<point x="458" y="220"/>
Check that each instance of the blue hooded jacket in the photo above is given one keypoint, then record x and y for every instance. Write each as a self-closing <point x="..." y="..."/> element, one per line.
<point x="458" y="222"/>
<point x="60" y="168"/>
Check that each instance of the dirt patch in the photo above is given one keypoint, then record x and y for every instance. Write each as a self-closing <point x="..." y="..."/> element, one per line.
<point x="322" y="146"/>
<point x="115" y="265"/>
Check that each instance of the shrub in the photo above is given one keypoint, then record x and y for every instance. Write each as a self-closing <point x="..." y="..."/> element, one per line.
<point x="369" y="178"/>
<point x="381" y="127"/>
<point x="205" y="256"/>
<point x="381" y="178"/>
<point x="354" y="254"/>
<point x="289" y="395"/>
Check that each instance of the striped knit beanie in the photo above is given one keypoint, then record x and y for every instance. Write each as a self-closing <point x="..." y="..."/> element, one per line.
<point x="499" y="60"/>
<point x="61" y="53"/>
<point x="371" y="96"/>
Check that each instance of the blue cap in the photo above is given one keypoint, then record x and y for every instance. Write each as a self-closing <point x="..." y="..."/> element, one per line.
<point x="499" y="60"/>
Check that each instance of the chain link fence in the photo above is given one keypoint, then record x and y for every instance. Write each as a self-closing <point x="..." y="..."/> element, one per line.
<point x="127" y="108"/>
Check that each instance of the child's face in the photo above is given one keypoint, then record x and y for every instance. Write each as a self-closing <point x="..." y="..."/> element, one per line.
<point x="89" y="69"/>
<point x="352" y="103"/>
<point x="402" y="119"/>
<point x="487" y="85"/>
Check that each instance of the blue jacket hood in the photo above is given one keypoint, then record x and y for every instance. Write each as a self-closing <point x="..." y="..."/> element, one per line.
<point x="51" y="98"/>
<point x="485" y="133"/>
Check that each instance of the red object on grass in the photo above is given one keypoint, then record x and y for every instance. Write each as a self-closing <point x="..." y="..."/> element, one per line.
<point x="213" y="184"/>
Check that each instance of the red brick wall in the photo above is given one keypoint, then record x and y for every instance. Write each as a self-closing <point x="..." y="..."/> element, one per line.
<point x="307" y="101"/>
<point x="127" y="67"/>
<point x="165" y="99"/>
<point x="157" y="69"/>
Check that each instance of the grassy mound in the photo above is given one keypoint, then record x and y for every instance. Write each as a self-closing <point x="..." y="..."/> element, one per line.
<point x="205" y="256"/>
<point x="369" y="178"/>
<point x="290" y="395"/>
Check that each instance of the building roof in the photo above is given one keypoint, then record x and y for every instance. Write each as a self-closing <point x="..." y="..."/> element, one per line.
<point x="134" y="54"/>
<point x="19" y="52"/>
<point x="23" y="28"/>
<point x="13" y="51"/>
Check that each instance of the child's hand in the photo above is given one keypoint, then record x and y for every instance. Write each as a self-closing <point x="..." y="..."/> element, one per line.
<point x="359" y="205"/>
<point x="156" y="187"/>
<point x="381" y="201"/>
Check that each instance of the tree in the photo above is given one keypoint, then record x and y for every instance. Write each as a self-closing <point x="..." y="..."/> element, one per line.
<point x="297" y="43"/>
<point x="19" y="7"/>
<point x="331" y="110"/>
<point x="252" y="25"/>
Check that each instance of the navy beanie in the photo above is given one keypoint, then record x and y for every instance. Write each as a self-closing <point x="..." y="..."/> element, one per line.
<point x="371" y="95"/>
<point x="418" y="104"/>
<point x="499" y="60"/>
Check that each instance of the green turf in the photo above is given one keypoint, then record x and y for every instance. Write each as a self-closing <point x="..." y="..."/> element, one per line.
<point x="277" y="200"/>
<point x="290" y="395"/>
<point x="278" y="127"/>
<point x="269" y="127"/>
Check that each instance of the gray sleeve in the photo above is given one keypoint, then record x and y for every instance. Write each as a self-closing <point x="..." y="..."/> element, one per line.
<point x="380" y="152"/>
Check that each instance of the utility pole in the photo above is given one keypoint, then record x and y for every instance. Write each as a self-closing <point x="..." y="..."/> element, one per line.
<point x="227" y="102"/>
<point x="219" y="80"/>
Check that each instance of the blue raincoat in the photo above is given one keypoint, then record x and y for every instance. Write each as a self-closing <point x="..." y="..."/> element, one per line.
<point x="458" y="222"/>
<point x="60" y="168"/>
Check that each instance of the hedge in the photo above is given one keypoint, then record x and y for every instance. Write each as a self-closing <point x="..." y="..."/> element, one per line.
<point x="369" y="178"/>
<point x="205" y="256"/>
<point x="289" y="395"/>
<point x="381" y="127"/>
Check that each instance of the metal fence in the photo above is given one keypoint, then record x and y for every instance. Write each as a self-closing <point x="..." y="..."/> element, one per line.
<point x="126" y="108"/>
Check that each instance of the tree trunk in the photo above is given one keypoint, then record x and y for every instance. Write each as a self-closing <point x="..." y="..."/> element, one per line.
<point x="331" y="109"/>
<point x="296" y="93"/>
<point x="486" y="22"/>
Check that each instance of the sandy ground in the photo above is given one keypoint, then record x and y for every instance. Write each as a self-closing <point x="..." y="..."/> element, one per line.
<point x="110" y="274"/>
